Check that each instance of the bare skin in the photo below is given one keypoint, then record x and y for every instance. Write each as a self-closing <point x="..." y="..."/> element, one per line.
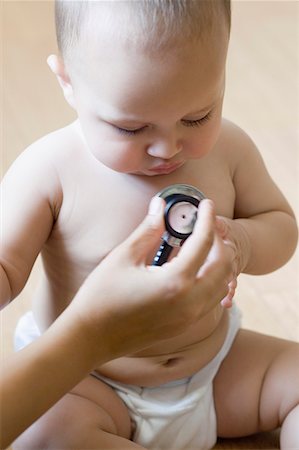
<point x="153" y="311"/>
<point x="190" y="351"/>
<point x="84" y="189"/>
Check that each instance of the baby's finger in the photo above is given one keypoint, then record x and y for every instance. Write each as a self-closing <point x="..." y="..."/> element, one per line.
<point x="221" y="227"/>
<point x="227" y="301"/>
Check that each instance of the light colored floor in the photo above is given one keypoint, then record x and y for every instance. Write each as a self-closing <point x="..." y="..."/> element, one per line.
<point x="262" y="96"/>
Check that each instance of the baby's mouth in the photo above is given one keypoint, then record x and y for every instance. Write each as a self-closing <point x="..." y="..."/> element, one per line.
<point x="165" y="169"/>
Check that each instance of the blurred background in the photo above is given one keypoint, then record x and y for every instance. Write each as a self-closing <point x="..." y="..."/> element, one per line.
<point x="262" y="96"/>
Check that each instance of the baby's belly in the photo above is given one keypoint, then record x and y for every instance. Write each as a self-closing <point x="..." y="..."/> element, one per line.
<point x="171" y="359"/>
<point x="175" y="358"/>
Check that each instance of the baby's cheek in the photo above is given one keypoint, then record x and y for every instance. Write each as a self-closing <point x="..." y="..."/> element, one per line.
<point x="202" y="142"/>
<point x="208" y="137"/>
<point x="121" y="158"/>
<point x="198" y="148"/>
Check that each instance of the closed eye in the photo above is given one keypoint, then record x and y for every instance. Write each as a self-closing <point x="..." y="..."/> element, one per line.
<point x="197" y="122"/>
<point x="129" y="132"/>
<point x="187" y="123"/>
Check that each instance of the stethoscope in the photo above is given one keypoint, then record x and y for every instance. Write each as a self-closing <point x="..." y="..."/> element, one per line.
<point x="180" y="215"/>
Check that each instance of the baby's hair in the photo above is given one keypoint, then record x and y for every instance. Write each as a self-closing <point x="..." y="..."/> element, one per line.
<point x="153" y="21"/>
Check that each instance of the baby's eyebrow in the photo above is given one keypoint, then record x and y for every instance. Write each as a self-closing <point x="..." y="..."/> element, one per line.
<point x="121" y="120"/>
<point x="118" y="116"/>
<point x="204" y="110"/>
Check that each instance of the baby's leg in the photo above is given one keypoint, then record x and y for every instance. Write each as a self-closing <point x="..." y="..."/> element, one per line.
<point x="257" y="389"/>
<point x="91" y="416"/>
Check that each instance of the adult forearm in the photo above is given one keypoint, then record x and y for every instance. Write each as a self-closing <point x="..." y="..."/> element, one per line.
<point x="269" y="240"/>
<point x="5" y="289"/>
<point x="60" y="360"/>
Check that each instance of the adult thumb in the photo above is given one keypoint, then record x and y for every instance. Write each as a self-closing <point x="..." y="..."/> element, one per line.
<point x="147" y="235"/>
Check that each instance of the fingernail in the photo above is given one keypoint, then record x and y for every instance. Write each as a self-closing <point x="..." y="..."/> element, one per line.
<point x="155" y="206"/>
<point x="206" y="203"/>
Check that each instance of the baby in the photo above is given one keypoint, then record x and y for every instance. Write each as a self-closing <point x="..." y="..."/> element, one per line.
<point x="147" y="81"/>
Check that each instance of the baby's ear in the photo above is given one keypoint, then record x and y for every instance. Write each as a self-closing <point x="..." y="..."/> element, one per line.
<point x="58" y="68"/>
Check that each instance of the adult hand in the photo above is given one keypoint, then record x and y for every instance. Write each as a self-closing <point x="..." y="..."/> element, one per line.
<point x="135" y="305"/>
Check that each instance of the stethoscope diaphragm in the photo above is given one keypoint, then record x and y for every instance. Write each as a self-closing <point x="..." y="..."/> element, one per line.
<point x="180" y="215"/>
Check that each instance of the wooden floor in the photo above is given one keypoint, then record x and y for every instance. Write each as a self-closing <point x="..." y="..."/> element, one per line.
<point x="262" y="96"/>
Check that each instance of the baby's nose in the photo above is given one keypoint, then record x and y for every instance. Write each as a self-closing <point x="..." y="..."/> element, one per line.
<point x="164" y="149"/>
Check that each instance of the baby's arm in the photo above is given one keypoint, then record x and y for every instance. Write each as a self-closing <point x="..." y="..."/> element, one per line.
<point x="264" y="231"/>
<point x="27" y="216"/>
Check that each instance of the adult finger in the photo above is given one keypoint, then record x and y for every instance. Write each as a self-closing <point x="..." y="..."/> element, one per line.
<point x="147" y="235"/>
<point x="218" y="261"/>
<point x="215" y="273"/>
<point x="197" y="247"/>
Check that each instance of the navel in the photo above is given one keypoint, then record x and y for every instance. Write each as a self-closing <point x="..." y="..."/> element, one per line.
<point x="171" y="362"/>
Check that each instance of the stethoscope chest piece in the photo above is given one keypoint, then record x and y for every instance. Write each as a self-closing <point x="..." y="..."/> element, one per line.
<point x="180" y="215"/>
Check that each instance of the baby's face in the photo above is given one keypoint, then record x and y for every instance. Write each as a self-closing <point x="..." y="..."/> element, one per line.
<point x="148" y="115"/>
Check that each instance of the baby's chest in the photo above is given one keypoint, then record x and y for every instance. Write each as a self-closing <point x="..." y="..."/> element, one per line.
<point x="92" y="221"/>
<point x="96" y="217"/>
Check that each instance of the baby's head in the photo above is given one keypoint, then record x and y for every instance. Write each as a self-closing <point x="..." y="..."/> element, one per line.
<point x="146" y="77"/>
<point x="148" y="25"/>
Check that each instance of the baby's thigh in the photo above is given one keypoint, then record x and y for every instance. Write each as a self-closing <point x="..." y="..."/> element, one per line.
<point x="256" y="385"/>
<point x="84" y="418"/>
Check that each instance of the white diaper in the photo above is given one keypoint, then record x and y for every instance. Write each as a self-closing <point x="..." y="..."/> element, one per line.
<point x="177" y="415"/>
<point x="26" y="331"/>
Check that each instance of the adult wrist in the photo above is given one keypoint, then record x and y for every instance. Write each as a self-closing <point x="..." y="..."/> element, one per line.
<point x="89" y="337"/>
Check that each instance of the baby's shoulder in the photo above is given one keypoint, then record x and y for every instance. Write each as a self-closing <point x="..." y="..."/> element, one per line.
<point x="39" y="168"/>
<point x="234" y="147"/>
<point x="55" y="147"/>
<point x="234" y="141"/>
<point x="234" y="137"/>
<point x="49" y="156"/>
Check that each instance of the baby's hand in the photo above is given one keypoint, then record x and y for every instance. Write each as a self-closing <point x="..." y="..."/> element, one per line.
<point x="237" y="243"/>
<point x="227" y="301"/>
